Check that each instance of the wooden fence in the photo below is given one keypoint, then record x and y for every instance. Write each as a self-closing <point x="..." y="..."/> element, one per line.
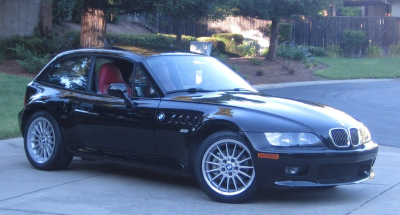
<point x="249" y="27"/>
<point x="166" y="25"/>
<point x="381" y="31"/>
<point x="323" y="32"/>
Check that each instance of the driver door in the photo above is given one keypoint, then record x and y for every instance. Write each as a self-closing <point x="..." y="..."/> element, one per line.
<point x="106" y="123"/>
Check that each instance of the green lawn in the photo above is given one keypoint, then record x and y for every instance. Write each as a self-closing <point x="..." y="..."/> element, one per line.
<point x="359" y="68"/>
<point x="12" y="92"/>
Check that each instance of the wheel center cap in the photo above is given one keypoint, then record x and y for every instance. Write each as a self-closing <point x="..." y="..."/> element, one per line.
<point x="229" y="167"/>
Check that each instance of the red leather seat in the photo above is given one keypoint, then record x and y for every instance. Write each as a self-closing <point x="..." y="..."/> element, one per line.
<point x="110" y="74"/>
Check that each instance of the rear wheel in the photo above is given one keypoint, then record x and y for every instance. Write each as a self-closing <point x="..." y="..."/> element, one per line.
<point x="43" y="143"/>
<point x="224" y="168"/>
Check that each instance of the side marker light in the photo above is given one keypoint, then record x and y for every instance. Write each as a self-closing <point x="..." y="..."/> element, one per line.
<point x="268" y="156"/>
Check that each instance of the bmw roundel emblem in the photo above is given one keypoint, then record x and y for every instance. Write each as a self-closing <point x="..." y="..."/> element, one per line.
<point x="160" y="117"/>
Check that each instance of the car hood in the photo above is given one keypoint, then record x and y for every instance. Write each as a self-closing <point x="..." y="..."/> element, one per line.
<point x="273" y="113"/>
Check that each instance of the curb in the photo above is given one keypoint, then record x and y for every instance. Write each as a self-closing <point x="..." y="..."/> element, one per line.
<point x="307" y="83"/>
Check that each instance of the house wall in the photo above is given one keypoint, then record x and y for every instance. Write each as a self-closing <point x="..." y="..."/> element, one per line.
<point x="376" y="10"/>
<point x="396" y="9"/>
<point x="18" y="17"/>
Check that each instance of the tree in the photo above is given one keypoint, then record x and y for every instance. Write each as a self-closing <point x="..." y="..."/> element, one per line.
<point x="183" y="11"/>
<point x="95" y="12"/>
<point x="93" y="22"/>
<point x="276" y="10"/>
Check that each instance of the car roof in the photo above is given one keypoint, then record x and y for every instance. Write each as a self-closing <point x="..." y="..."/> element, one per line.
<point x="121" y="53"/>
<point x="104" y="51"/>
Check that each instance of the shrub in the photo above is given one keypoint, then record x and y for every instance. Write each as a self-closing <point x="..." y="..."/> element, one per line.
<point x="285" y="32"/>
<point x="353" y="42"/>
<point x="220" y="56"/>
<point x="2" y="58"/>
<point x="290" y="51"/>
<point x="216" y="47"/>
<point x="8" y="44"/>
<point x="62" y="10"/>
<point x="310" y="62"/>
<point x="255" y="61"/>
<point x="333" y="51"/>
<point x="208" y="39"/>
<point x="70" y="40"/>
<point x="229" y="46"/>
<point x="162" y="40"/>
<point x="234" y="68"/>
<point x="264" y="52"/>
<point x="237" y="38"/>
<point x="260" y="72"/>
<point x="394" y="50"/>
<point x="286" y="66"/>
<point x="39" y="45"/>
<point x="221" y="46"/>
<point x="291" y="71"/>
<point x="374" y="51"/>
<point x="316" y="51"/>
<point x="31" y="61"/>
<point x="248" y="49"/>
<point x="34" y="64"/>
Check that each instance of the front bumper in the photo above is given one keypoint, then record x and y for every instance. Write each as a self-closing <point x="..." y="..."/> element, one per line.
<point x="316" y="166"/>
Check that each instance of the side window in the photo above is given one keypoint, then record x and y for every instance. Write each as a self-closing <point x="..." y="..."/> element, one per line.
<point x="142" y="85"/>
<point x="99" y="62"/>
<point x="108" y="71"/>
<point x="71" y="73"/>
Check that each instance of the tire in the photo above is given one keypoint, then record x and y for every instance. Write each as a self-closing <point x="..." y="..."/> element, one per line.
<point x="43" y="143"/>
<point x="224" y="168"/>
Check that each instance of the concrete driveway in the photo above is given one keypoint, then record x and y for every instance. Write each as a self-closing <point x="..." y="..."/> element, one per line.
<point x="102" y="188"/>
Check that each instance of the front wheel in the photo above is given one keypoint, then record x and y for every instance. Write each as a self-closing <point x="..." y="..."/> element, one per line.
<point x="224" y="168"/>
<point x="43" y="143"/>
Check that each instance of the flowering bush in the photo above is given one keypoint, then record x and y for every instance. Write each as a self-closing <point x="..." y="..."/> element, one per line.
<point x="290" y="51"/>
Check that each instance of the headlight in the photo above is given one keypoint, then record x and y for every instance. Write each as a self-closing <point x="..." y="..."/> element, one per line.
<point x="293" y="139"/>
<point x="366" y="136"/>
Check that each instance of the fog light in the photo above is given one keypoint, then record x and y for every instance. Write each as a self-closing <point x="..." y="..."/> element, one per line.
<point x="292" y="170"/>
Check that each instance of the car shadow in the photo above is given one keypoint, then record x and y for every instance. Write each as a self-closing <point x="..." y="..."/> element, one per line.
<point x="185" y="181"/>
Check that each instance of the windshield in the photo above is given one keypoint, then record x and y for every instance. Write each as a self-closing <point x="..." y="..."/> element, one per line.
<point x="196" y="73"/>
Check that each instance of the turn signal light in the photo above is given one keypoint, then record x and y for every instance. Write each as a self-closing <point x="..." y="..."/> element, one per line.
<point x="268" y="156"/>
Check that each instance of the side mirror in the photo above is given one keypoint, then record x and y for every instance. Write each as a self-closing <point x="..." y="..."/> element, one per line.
<point x="121" y="91"/>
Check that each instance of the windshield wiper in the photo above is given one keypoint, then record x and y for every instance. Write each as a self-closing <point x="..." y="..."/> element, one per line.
<point x="194" y="90"/>
<point x="236" y="89"/>
<point x="191" y="90"/>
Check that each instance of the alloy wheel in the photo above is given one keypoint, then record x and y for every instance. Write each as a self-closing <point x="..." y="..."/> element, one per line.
<point x="228" y="168"/>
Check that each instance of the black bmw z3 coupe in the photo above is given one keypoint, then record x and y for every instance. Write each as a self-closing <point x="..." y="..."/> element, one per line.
<point x="189" y="113"/>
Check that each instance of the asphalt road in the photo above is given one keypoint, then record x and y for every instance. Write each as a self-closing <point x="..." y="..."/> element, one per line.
<point x="102" y="188"/>
<point x="375" y="103"/>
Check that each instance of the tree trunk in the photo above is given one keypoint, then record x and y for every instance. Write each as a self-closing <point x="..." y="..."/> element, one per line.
<point x="271" y="55"/>
<point x="178" y="41"/>
<point x="93" y="26"/>
<point x="334" y="8"/>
